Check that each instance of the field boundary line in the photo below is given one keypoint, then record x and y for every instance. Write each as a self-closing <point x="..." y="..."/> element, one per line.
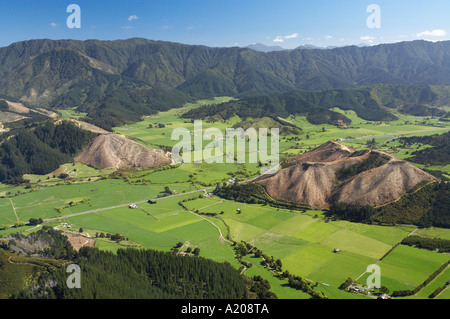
<point x="220" y="231"/>
<point x="388" y="252"/>
<point x="14" y="209"/>
<point x="117" y="206"/>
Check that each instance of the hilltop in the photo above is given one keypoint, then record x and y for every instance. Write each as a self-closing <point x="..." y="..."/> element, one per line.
<point x="114" y="150"/>
<point x="335" y="173"/>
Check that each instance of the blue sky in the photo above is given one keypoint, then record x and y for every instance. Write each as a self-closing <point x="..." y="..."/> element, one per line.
<point x="287" y="23"/>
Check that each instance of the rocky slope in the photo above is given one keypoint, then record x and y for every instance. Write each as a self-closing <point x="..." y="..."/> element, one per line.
<point x="336" y="173"/>
<point x="114" y="150"/>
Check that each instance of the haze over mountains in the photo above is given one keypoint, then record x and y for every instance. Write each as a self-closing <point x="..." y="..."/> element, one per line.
<point x="270" y="48"/>
<point x="125" y="79"/>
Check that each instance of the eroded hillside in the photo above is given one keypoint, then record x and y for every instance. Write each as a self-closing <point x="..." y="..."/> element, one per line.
<point x="335" y="173"/>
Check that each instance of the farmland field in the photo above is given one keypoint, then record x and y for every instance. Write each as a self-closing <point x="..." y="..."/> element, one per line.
<point x="407" y="267"/>
<point x="304" y="241"/>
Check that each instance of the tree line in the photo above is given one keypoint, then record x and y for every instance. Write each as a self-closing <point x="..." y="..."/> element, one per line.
<point x="439" y="244"/>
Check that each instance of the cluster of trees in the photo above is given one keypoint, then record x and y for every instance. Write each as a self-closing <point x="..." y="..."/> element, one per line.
<point x="253" y="194"/>
<point x="35" y="221"/>
<point x="302" y="284"/>
<point x="41" y="150"/>
<point x="259" y="288"/>
<point x="439" y="244"/>
<point x="157" y="125"/>
<point x="114" y="237"/>
<point x="175" y="250"/>
<point x="353" y="212"/>
<point x="347" y="283"/>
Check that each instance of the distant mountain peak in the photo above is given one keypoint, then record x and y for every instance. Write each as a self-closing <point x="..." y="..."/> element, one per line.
<point x="264" y="48"/>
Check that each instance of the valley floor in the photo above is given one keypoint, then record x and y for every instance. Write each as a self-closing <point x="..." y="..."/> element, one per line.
<point x="304" y="241"/>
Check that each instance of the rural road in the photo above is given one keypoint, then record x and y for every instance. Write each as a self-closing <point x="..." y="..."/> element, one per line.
<point x="139" y="202"/>
<point x="122" y="205"/>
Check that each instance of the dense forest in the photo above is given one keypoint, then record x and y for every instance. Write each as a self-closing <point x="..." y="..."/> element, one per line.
<point x="123" y="106"/>
<point x="127" y="274"/>
<point x="203" y="72"/>
<point x="142" y="274"/>
<point x="116" y="82"/>
<point x="41" y="150"/>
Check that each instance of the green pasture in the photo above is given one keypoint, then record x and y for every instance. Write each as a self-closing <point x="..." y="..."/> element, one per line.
<point x="436" y="232"/>
<point x="71" y="114"/>
<point x="306" y="244"/>
<point x="407" y="267"/>
<point x="437" y="282"/>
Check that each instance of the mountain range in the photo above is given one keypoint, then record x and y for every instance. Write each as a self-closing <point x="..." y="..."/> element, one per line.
<point x="119" y="81"/>
<point x="270" y="48"/>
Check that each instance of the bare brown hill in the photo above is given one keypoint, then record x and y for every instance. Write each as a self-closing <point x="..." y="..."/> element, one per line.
<point x="114" y="150"/>
<point x="336" y="173"/>
<point x="21" y="109"/>
<point x="89" y="127"/>
<point x="328" y="152"/>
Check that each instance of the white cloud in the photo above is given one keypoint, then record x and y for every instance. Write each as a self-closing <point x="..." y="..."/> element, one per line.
<point x="133" y="17"/>
<point x="192" y="27"/>
<point x="291" y="36"/>
<point x="328" y="37"/>
<point x="53" y="25"/>
<point x="434" y="33"/>
<point x="127" y="27"/>
<point x="278" y="39"/>
<point x="281" y="39"/>
<point x="368" y="39"/>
